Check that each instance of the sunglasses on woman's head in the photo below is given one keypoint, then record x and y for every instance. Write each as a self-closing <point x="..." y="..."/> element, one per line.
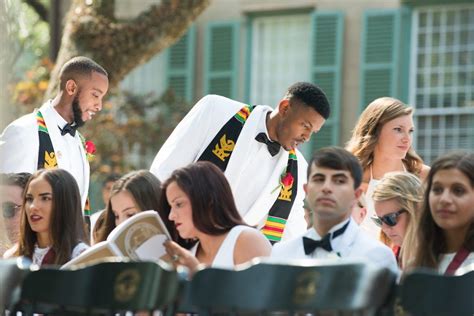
<point x="9" y="209"/>
<point x="389" y="219"/>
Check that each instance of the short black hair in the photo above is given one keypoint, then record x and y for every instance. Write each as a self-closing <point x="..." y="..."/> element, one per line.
<point x="311" y="95"/>
<point x="337" y="158"/>
<point x="110" y="178"/>
<point x="15" y="179"/>
<point x="78" y="66"/>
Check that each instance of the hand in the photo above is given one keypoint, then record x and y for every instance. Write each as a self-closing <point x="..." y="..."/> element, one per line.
<point x="181" y="256"/>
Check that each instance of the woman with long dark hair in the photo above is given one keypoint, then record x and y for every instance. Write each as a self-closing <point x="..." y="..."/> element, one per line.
<point x="203" y="218"/>
<point x="445" y="235"/>
<point x="52" y="228"/>
<point x="135" y="192"/>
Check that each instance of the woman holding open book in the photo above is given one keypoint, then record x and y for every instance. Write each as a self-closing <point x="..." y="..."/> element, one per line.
<point x="135" y="192"/>
<point x="204" y="222"/>
<point x="51" y="226"/>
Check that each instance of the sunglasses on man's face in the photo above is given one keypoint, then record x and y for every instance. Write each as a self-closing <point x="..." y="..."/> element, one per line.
<point x="9" y="209"/>
<point x="389" y="219"/>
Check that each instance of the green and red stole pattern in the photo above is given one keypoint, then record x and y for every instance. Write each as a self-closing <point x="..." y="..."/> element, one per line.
<point x="46" y="155"/>
<point x="219" y="152"/>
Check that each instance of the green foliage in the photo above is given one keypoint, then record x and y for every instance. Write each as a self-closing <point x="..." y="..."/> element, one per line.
<point x="130" y="130"/>
<point x="31" y="36"/>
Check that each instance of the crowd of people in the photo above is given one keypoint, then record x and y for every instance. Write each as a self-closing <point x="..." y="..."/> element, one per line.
<point x="230" y="185"/>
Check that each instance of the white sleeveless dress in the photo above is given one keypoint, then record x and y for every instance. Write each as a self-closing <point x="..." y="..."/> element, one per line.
<point x="224" y="258"/>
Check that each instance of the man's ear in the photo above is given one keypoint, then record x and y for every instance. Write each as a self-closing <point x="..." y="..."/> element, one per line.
<point x="305" y="188"/>
<point x="358" y="192"/>
<point x="283" y="107"/>
<point x="71" y="87"/>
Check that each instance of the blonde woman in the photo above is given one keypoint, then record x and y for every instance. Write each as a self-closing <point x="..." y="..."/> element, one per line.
<point x="382" y="141"/>
<point x="397" y="200"/>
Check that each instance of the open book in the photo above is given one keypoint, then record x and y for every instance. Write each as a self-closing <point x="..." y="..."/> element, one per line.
<point x="139" y="238"/>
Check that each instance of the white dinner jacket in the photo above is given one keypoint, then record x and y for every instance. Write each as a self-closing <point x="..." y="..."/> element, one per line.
<point x="19" y="146"/>
<point x="194" y="133"/>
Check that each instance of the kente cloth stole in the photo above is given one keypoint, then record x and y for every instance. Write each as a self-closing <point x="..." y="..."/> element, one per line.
<point x="46" y="155"/>
<point x="219" y="152"/>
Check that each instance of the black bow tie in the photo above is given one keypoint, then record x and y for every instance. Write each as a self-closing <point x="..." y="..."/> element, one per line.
<point x="310" y="245"/>
<point x="273" y="147"/>
<point x="68" y="128"/>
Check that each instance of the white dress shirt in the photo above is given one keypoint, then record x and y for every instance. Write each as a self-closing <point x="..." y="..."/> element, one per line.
<point x="252" y="172"/>
<point x="353" y="243"/>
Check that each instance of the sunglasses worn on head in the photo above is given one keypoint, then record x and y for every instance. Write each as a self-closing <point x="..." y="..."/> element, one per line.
<point x="389" y="219"/>
<point x="9" y="209"/>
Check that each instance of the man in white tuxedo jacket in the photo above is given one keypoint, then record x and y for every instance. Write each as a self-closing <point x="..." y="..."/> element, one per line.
<point x="333" y="187"/>
<point x="260" y="154"/>
<point x="47" y="138"/>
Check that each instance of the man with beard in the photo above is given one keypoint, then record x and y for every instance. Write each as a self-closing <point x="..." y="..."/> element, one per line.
<point x="47" y="138"/>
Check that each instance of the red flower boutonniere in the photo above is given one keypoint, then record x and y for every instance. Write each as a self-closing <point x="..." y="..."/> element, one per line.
<point x="90" y="149"/>
<point x="286" y="181"/>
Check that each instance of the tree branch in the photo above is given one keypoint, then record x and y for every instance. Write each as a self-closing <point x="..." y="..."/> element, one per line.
<point x="140" y="39"/>
<point x="39" y="8"/>
<point x="121" y="46"/>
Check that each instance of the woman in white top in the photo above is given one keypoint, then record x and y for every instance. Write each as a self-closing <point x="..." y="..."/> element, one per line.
<point x="202" y="215"/>
<point x="382" y="141"/>
<point x="52" y="227"/>
<point x="446" y="232"/>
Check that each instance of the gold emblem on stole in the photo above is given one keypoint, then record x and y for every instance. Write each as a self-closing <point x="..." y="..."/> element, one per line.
<point x="285" y="193"/>
<point x="50" y="160"/>
<point x="224" y="148"/>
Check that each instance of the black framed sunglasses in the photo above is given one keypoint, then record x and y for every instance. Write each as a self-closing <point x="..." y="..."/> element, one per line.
<point x="389" y="219"/>
<point x="9" y="209"/>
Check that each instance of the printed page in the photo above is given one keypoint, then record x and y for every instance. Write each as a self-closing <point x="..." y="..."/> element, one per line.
<point x="141" y="236"/>
<point x="94" y="254"/>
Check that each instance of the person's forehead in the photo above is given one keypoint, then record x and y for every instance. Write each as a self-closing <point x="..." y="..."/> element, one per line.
<point x="309" y="114"/>
<point x="94" y="80"/>
<point x="401" y="120"/>
<point x="328" y="171"/>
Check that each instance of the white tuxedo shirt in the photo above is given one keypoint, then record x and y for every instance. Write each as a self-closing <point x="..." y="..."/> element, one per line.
<point x="252" y="172"/>
<point x="353" y="243"/>
<point x="19" y="147"/>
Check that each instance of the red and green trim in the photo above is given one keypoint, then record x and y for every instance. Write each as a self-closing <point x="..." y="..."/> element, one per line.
<point x="243" y="114"/>
<point x="41" y="123"/>
<point x="292" y="155"/>
<point x="273" y="228"/>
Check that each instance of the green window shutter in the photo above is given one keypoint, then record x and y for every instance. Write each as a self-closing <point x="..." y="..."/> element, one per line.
<point x="326" y="60"/>
<point x="221" y="59"/>
<point x="379" y="56"/>
<point x="180" y="66"/>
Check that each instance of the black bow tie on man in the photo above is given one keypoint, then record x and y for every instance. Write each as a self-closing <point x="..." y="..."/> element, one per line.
<point x="273" y="147"/>
<point x="310" y="245"/>
<point x="68" y="128"/>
